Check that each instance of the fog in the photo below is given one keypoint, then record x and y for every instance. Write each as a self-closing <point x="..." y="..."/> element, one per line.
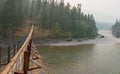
<point x="103" y="10"/>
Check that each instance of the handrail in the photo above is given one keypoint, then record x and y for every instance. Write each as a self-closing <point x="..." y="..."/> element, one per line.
<point x="11" y="64"/>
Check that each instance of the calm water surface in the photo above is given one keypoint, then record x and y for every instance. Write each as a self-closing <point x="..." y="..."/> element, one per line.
<point x="81" y="59"/>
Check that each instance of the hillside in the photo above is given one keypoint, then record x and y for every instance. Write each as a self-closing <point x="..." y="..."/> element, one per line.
<point x="52" y="19"/>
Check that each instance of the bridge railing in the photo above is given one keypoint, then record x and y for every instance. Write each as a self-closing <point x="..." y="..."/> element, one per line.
<point x="20" y="62"/>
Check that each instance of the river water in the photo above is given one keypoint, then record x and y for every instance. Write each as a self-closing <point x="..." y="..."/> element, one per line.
<point x="99" y="56"/>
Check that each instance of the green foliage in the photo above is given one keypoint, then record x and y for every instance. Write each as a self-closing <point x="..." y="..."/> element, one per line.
<point x="71" y="21"/>
<point x="60" y="19"/>
<point x="116" y="29"/>
<point x="11" y="16"/>
<point x="56" y="30"/>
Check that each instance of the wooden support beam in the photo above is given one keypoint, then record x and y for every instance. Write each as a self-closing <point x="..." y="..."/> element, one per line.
<point x="35" y="58"/>
<point x="27" y="57"/>
<point x="36" y="63"/>
<point x="18" y="72"/>
<point x="34" y="68"/>
<point x="26" y="64"/>
<point x="29" y="52"/>
<point x="35" y="55"/>
<point x="33" y="51"/>
<point x="3" y="64"/>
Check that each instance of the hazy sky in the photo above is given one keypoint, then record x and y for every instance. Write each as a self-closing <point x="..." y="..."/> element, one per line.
<point x="103" y="10"/>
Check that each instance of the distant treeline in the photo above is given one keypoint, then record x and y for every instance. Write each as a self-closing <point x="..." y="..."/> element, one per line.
<point x="54" y="18"/>
<point x="116" y="29"/>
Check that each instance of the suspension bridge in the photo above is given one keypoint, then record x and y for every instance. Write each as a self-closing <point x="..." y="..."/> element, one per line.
<point x="25" y="61"/>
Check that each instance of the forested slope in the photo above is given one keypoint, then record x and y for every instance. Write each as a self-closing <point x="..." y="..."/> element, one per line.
<point x="52" y="19"/>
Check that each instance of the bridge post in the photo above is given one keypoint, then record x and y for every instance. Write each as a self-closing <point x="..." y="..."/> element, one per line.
<point x="29" y="51"/>
<point x="25" y="65"/>
<point x="8" y="60"/>
<point x="14" y="51"/>
<point x="27" y="57"/>
<point x="0" y="55"/>
<point x="18" y="43"/>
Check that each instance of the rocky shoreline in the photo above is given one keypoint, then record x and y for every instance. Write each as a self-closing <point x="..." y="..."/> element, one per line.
<point x="55" y="42"/>
<point x="4" y="42"/>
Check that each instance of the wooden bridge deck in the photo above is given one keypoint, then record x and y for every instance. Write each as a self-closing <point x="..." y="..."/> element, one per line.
<point x="26" y="56"/>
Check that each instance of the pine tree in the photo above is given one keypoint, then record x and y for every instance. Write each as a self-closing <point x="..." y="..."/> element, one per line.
<point x="11" y="15"/>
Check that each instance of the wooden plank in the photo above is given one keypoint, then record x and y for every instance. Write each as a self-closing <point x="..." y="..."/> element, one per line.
<point x="18" y="72"/>
<point x="14" y="59"/>
<point x="34" y="68"/>
<point x="36" y="63"/>
<point x="35" y="58"/>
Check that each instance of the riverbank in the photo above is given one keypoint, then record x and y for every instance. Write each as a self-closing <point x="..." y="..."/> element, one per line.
<point x="49" y="42"/>
<point x="66" y="42"/>
<point x="105" y="37"/>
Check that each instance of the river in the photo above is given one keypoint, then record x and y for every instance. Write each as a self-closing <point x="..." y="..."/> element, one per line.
<point x="99" y="56"/>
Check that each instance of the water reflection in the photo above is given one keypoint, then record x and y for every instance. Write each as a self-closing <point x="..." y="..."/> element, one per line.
<point x="82" y="59"/>
<point x="100" y="57"/>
